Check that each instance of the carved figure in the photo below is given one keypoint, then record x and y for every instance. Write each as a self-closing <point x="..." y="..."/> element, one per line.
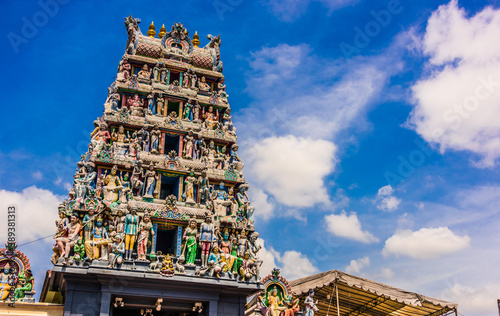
<point x="190" y="235"/>
<point x="150" y="179"/>
<point x="112" y="186"/>
<point x="131" y="227"/>
<point x="117" y="251"/>
<point x="207" y="237"/>
<point x="310" y="304"/>
<point x="145" y="228"/>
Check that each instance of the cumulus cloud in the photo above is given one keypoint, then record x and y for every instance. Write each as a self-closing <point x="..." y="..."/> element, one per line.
<point x="385" y="200"/>
<point x="293" y="264"/>
<point x="426" y="243"/>
<point x="348" y="226"/>
<point x="292" y="169"/>
<point x="357" y="265"/>
<point x="264" y="208"/>
<point x="36" y="208"/>
<point x="289" y="10"/>
<point x="458" y="102"/>
<point x="473" y="300"/>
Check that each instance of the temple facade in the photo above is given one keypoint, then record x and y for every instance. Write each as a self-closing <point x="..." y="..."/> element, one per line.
<point x="158" y="221"/>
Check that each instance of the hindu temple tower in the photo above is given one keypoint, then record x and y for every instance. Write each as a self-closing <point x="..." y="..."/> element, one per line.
<point x="158" y="221"/>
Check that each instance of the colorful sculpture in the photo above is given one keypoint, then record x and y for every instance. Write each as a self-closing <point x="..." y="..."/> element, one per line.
<point x="163" y="156"/>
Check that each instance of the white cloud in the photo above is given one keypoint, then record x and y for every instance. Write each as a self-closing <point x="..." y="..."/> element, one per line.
<point x="426" y="243"/>
<point x="348" y="226"/>
<point x="458" y="102"/>
<point x="289" y="10"/>
<point x="473" y="300"/>
<point x="385" y="200"/>
<point x="387" y="273"/>
<point x="357" y="265"/>
<point x="38" y="175"/>
<point x="36" y="212"/>
<point x="293" y="264"/>
<point x="264" y="209"/>
<point x="292" y="169"/>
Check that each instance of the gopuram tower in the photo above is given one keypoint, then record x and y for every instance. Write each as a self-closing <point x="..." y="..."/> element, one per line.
<point x="158" y="221"/>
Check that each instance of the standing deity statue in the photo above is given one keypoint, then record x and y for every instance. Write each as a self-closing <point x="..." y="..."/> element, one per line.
<point x="310" y="304"/>
<point x="203" y="187"/>
<point x="190" y="245"/>
<point x="207" y="237"/>
<point x="189" y="188"/>
<point x="188" y="146"/>
<point x="244" y="203"/>
<point x="5" y="282"/>
<point x="151" y="104"/>
<point x="196" y="112"/>
<point x="155" y="140"/>
<point x="163" y="74"/>
<point x="159" y="105"/>
<point x="126" y="192"/>
<point x="156" y="72"/>
<point x="150" y="179"/>
<point x="119" y="223"/>
<point x="188" y="112"/>
<point x="145" y="228"/>
<point x="85" y="184"/>
<point x="88" y="227"/>
<point x="193" y="79"/>
<point x="131" y="227"/>
<point x="136" y="178"/>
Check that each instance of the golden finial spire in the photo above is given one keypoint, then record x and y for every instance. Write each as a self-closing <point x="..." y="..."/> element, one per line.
<point x="151" y="32"/>
<point x="196" y="39"/>
<point x="163" y="31"/>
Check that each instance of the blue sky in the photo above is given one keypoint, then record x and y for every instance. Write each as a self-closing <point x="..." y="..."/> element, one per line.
<point x="373" y="153"/>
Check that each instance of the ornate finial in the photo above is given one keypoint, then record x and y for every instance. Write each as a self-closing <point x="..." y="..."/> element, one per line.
<point x="163" y="31"/>
<point x="151" y="32"/>
<point x="196" y="39"/>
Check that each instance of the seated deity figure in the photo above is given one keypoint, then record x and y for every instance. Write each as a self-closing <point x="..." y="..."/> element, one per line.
<point x="112" y="186"/>
<point x="136" y="106"/>
<point x="124" y="71"/>
<point x="64" y="244"/>
<point x="275" y="304"/>
<point x="203" y="85"/>
<point x="144" y="72"/>
<point x="120" y="143"/>
<point x="117" y="251"/>
<point x="111" y="104"/>
<point x="211" y="118"/>
<point x="221" y="203"/>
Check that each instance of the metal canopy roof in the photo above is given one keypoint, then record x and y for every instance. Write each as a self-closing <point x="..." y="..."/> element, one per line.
<point x="359" y="296"/>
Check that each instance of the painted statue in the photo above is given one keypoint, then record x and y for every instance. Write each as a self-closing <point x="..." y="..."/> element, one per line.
<point x="310" y="304"/>
<point x="207" y="237"/>
<point x="145" y="228"/>
<point x="131" y="228"/>
<point x="189" y="188"/>
<point x="190" y="235"/>
<point x="117" y="251"/>
<point x="112" y="186"/>
<point x="150" y="179"/>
